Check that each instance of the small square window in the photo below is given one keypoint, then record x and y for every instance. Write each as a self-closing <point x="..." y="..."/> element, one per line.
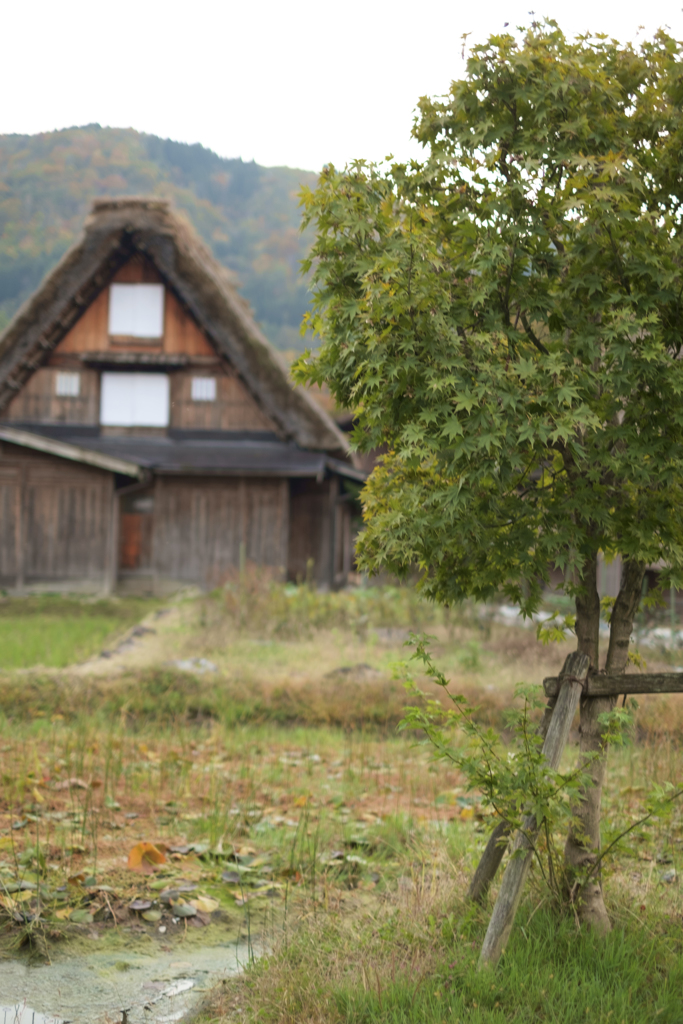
<point x="68" y="385"/>
<point x="203" y="389"/>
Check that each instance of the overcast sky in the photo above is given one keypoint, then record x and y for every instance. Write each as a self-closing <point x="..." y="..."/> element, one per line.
<point x="299" y="84"/>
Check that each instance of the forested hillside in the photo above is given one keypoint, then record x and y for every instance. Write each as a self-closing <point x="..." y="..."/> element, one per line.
<point x="247" y="214"/>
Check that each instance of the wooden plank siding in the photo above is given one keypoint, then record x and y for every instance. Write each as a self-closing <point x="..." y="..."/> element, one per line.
<point x="59" y="526"/>
<point x="235" y="407"/>
<point x="56" y="521"/>
<point x="10" y="497"/>
<point x="310" y="540"/>
<point x="199" y="526"/>
<point x="37" y="402"/>
<point x="182" y="334"/>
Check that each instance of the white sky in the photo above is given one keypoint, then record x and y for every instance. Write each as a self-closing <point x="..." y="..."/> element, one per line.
<point x="298" y="84"/>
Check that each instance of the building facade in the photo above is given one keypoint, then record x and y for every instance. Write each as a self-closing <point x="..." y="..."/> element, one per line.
<point x="149" y="434"/>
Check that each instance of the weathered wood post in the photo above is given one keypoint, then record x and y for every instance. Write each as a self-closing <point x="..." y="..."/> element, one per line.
<point x="489" y="863"/>
<point x="572" y="682"/>
<point x="497" y="844"/>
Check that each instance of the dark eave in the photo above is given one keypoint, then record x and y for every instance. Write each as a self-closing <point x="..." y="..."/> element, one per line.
<point x="241" y="454"/>
<point x="75" y="452"/>
<point x="166" y="359"/>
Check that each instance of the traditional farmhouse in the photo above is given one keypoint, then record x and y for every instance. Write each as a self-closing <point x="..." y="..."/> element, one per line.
<point x="149" y="434"/>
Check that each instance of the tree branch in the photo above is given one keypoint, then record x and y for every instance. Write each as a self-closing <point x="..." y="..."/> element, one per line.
<point x="532" y="337"/>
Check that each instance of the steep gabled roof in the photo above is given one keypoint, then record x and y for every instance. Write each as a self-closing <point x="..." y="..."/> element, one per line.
<point x="117" y="229"/>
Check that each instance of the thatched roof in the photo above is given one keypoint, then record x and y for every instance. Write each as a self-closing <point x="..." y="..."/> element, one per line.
<point x="115" y="230"/>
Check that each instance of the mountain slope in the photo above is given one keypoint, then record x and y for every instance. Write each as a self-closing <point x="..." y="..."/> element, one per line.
<point x="247" y="214"/>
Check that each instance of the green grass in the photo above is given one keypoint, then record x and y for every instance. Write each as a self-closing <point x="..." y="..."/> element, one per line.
<point x="420" y="965"/>
<point x="55" y="631"/>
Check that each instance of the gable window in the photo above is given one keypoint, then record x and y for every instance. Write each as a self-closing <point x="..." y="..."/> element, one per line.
<point x="134" y="400"/>
<point x="203" y="389"/>
<point x="136" y="310"/>
<point x="68" y="385"/>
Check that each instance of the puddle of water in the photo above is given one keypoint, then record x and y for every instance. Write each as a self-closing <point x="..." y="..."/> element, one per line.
<point x="98" y="987"/>
<point x="19" y="1014"/>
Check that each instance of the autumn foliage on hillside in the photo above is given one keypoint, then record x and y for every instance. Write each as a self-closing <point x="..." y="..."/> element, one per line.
<point x="246" y="213"/>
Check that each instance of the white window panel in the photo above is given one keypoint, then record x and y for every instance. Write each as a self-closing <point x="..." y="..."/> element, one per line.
<point x="136" y="310"/>
<point x="203" y="389"/>
<point x="134" y="400"/>
<point x="68" y="385"/>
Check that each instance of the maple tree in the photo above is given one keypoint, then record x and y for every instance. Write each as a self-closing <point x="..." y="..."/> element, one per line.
<point x="505" y="317"/>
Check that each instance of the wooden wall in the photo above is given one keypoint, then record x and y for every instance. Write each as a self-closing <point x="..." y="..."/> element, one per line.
<point x="235" y="407"/>
<point x="62" y="526"/>
<point x="10" y="482"/>
<point x="199" y="525"/>
<point x="38" y="403"/>
<point x="310" y="536"/>
<point x="57" y="521"/>
<point x="320" y="541"/>
<point x="182" y="334"/>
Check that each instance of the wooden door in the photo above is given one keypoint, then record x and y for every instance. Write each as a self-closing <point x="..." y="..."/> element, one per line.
<point x="135" y="532"/>
<point x="131" y="540"/>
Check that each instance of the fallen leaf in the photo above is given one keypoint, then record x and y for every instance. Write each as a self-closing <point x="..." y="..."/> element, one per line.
<point x="38" y="796"/>
<point x="73" y="783"/>
<point x="81" y="917"/>
<point x="184" y="910"/>
<point x="205" y="904"/>
<point x="152" y="915"/>
<point x="169" y="896"/>
<point x="63" y="913"/>
<point x="144" y="857"/>
<point x="140" y="905"/>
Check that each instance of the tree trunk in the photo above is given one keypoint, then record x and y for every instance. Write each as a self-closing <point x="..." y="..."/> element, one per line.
<point x="588" y="614"/>
<point x="583" y="843"/>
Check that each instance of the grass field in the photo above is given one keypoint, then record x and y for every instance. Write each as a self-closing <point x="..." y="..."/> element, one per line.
<point x="55" y="631"/>
<point x="283" y="806"/>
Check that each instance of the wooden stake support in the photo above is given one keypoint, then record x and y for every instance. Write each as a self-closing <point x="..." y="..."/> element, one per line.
<point x="571" y="684"/>
<point x="564" y="692"/>
<point x="600" y="685"/>
<point x="498" y="840"/>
